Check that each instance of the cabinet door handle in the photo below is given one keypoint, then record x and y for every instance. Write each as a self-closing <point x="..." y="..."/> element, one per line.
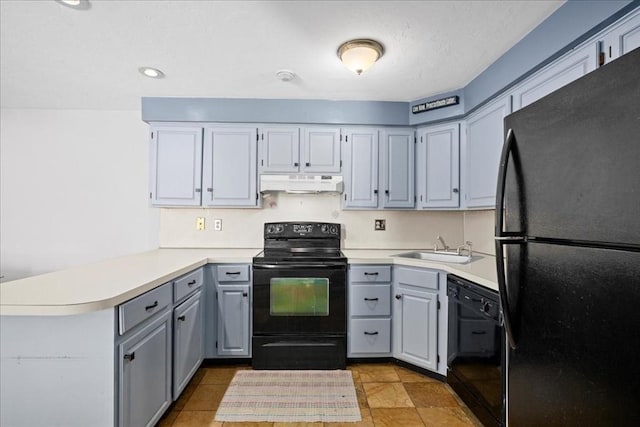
<point x="210" y="190"/>
<point x="366" y="273"/>
<point x="371" y="333"/>
<point x="245" y="294"/>
<point x="232" y="273"/>
<point x="455" y="190"/>
<point x="296" y="164"/>
<point x="130" y="356"/>
<point x="386" y="192"/>
<point x="149" y="307"/>
<point x="478" y="332"/>
<point x="398" y="296"/>
<point x="307" y="164"/>
<point x="191" y="283"/>
<point x="197" y="190"/>
<point x="375" y="191"/>
<point x="181" y="318"/>
<point x="371" y="299"/>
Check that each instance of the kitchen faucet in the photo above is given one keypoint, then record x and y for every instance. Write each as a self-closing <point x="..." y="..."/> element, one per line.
<point x="465" y="247"/>
<point x="445" y="247"/>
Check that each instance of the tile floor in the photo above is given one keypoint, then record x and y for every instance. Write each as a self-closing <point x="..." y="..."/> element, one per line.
<point x="389" y="396"/>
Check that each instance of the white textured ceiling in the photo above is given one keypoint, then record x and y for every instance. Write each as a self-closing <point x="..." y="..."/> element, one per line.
<point x="53" y="56"/>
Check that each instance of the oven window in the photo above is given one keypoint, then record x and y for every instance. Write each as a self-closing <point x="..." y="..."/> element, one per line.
<point x="299" y="296"/>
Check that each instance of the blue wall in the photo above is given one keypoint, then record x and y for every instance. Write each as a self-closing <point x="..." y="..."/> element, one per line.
<point x="572" y="23"/>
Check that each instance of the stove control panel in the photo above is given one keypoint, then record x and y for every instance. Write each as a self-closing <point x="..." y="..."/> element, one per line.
<point x="294" y="230"/>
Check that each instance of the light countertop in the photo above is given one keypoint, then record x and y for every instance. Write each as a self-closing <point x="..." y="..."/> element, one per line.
<point x="106" y="284"/>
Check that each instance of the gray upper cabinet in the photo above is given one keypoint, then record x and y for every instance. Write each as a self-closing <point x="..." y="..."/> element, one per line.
<point x="279" y="149"/>
<point x="622" y="38"/>
<point x="321" y="150"/>
<point x="567" y="69"/>
<point x="438" y="166"/>
<point x="360" y="150"/>
<point x="229" y="175"/>
<point x="175" y="165"/>
<point x="481" y="149"/>
<point x="397" y="168"/>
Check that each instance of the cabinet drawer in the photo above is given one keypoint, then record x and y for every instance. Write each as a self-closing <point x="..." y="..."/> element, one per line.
<point x="186" y="284"/>
<point x="134" y="312"/>
<point x="233" y="273"/>
<point x="370" y="336"/>
<point x="416" y="277"/>
<point x="370" y="300"/>
<point x="373" y="273"/>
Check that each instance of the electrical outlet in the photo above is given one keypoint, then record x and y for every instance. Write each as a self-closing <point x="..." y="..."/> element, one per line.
<point x="217" y="224"/>
<point x="380" y="224"/>
<point x="200" y="223"/>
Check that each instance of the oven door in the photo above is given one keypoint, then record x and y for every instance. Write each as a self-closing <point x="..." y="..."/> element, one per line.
<point x="299" y="299"/>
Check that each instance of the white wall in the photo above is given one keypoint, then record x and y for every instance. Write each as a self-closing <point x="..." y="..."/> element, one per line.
<point x="243" y="228"/>
<point x="74" y="189"/>
<point x="479" y="228"/>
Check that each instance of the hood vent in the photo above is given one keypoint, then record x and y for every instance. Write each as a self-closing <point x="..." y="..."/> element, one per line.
<point x="301" y="184"/>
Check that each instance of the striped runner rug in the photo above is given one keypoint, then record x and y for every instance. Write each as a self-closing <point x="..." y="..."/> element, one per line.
<point x="290" y="396"/>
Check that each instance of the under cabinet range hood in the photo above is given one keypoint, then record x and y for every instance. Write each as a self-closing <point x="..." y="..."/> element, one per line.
<point x="301" y="184"/>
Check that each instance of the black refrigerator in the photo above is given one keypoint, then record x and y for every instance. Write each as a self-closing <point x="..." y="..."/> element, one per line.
<point x="568" y="252"/>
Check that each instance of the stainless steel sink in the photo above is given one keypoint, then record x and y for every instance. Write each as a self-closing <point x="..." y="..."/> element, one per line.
<point x="438" y="256"/>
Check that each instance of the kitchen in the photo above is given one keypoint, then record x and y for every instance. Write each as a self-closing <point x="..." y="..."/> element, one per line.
<point x="95" y="216"/>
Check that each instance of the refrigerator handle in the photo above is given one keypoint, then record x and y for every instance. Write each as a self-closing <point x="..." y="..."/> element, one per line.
<point x="502" y="238"/>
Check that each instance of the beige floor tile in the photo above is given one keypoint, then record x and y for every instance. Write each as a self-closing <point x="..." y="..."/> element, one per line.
<point x="445" y="417"/>
<point x="394" y="417"/>
<point x="196" y="419"/>
<point x="168" y="419"/>
<point x="230" y="424"/>
<point x="206" y="397"/>
<point x="425" y="395"/>
<point x="361" y="395"/>
<point x="217" y="375"/>
<point x="387" y="395"/>
<point x="375" y="373"/>
<point x="409" y="376"/>
<point x="367" y="420"/>
<point x="317" y="424"/>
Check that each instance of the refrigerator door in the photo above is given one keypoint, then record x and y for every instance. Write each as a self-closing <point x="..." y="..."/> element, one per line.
<point x="574" y="171"/>
<point x="578" y="317"/>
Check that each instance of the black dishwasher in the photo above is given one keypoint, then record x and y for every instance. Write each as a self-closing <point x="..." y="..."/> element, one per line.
<point x="476" y="349"/>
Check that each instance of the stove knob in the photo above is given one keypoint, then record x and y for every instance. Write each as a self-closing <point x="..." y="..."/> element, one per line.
<point x="324" y="229"/>
<point x="271" y="229"/>
<point x="279" y="228"/>
<point x="334" y="229"/>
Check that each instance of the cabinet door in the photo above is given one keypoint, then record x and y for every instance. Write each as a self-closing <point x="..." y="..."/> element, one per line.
<point x="234" y="332"/>
<point x="438" y="165"/>
<point x="175" y="166"/>
<point x="361" y="169"/>
<point x="188" y="342"/>
<point x="398" y="159"/>
<point x="556" y="75"/>
<point x="279" y="149"/>
<point x="622" y="39"/>
<point x="321" y="150"/>
<point x="415" y="334"/>
<point x="145" y="374"/>
<point x="230" y="166"/>
<point x="482" y="149"/>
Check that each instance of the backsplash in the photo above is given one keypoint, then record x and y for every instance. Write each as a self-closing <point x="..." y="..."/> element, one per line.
<point x="243" y="228"/>
<point x="479" y="229"/>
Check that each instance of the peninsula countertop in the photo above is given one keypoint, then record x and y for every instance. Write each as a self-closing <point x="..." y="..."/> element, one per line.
<point x="111" y="282"/>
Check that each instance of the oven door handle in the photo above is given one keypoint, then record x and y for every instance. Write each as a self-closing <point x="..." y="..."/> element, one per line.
<point x="335" y="266"/>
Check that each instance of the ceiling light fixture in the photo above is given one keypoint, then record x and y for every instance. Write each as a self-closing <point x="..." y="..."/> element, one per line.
<point x="150" y="72"/>
<point x="360" y="54"/>
<point x="285" y="75"/>
<point x="75" y="4"/>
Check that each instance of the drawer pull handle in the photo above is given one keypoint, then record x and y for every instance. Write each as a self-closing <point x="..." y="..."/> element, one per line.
<point x="181" y="318"/>
<point x="398" y="296"/>
<point x="232" y="273"/>
<point x="245" y="294"/>
<point x="478" y="332"/>
<point x="191" y="283"/>
<point x="366" y="273"/>
<point x="371" y="333"/>
<point x="130" y="356"/>
<point x="371" y="299"/>
<point x="152" y="306"/>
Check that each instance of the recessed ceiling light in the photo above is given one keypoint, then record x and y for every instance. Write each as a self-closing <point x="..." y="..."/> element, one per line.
<point x="150" y="72"/>
<point x="75" y="4"/>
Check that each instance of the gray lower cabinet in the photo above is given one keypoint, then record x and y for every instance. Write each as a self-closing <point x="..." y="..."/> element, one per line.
<point x="415" y="316"/>
<point x="369" y="311"/>
<point x="233" y="296"/>
<point x="188" y="342"/>
<point x="144" y="358"/>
